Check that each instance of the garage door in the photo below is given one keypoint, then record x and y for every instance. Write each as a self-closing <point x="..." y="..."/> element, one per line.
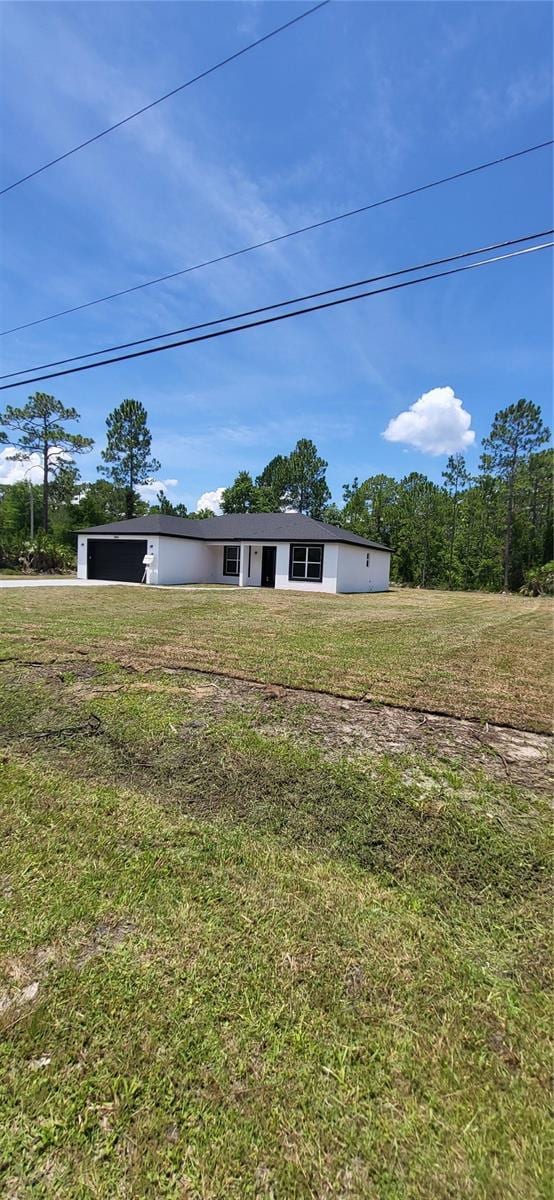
<point x="118" y="559"/>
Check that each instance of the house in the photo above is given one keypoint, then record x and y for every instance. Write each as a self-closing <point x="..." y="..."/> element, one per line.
<point x="281" y="550"/>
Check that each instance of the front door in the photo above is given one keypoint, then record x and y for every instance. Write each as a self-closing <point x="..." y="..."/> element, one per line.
<point x="269" y="555"/>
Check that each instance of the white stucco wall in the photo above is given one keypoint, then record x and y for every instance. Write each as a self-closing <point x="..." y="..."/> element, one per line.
<point x="81" y="557"/>
<point x="329" y="581"/>
<point x="255" y="577"/>
<point x="184" y="560"/>
<point x="355" y="576"/>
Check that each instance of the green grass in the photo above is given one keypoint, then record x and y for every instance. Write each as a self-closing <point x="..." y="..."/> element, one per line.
<point x="468" y="654"/>
<point x="255" y="967"/>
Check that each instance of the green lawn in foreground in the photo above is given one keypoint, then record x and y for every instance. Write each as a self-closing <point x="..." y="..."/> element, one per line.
<point x="236" y="965"/>
<point x="469" y="654"/>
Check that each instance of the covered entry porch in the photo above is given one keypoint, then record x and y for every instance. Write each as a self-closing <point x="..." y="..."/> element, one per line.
<point x="249" y="564"/>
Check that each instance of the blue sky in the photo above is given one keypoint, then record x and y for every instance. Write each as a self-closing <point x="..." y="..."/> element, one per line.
<point x="357" y="102"/>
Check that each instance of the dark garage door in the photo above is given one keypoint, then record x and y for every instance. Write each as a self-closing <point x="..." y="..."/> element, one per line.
<point x="118" y="559"/>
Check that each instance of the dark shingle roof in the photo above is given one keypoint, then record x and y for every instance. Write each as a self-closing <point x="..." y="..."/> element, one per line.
<point x="236" y="527"/>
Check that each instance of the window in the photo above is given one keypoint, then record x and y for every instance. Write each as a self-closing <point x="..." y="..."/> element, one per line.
<point x="367" y="559"/>
<point x="231" y="560"/>
<point x="306" y="563"/>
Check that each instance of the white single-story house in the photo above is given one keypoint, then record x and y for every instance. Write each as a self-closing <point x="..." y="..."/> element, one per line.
<point x="280" y="550"/>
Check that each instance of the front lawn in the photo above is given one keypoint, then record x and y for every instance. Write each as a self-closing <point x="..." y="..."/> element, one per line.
<point x="259" y="943"/>
<point x="469" y="654"/>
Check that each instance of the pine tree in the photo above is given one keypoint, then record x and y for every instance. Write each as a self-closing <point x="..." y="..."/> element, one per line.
<point x="369" y="506"/>
<point x="455" y="476"/>
<point x="39" y="428"/>
<point x="127" y="452"/>
<point x="516" y="432"/>
<point x="296" y="480"/>
<point x="306" y="488"/>
<point x="417" y="532"/>
<point x="99" y="503"/>
<point x="165" y="506"/>
<point x="244" y="496"/>
<point x="274" y="479"/>
<point x="539" y="473"/>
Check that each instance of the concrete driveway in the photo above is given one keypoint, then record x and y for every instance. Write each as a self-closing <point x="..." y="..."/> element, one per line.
<point x="35" y="581"/>
<point x="21" y="581"/>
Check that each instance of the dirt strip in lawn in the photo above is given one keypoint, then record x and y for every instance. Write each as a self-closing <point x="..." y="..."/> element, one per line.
<point x="339" y="726"/>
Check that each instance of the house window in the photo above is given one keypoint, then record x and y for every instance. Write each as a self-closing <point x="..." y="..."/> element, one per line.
<point x="306" y="563"/>
<point x="367" y="559"/>
<point x="231" y="560"/>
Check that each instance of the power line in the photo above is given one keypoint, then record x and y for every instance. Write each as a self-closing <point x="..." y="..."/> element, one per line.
<point x="204" y="337"/>
<point x="251" y="312"/>
<point x="167" y="95"/>
<point x="353" y="212"/>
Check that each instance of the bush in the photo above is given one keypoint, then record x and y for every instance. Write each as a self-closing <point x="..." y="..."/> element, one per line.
<point x="40" y="555"/>
<point x="539" y="581"/>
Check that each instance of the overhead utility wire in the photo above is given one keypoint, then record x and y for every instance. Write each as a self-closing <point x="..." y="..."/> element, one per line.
<point x="299" y="312"/>
<point x="252" y="312"/>
<point x="167" y="95"/>
<point x="281" y="237"/>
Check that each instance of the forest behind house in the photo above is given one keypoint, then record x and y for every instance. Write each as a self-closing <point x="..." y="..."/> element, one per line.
<point x="489" y="531"/>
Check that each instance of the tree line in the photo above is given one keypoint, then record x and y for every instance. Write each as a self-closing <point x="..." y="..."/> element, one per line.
<point x="490" y="531"/>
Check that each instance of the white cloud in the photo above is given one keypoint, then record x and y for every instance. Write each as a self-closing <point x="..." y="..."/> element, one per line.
<point x="146" y="490"/>
<point x="211" y="500"/>
<point x="437" y="423"/>
<point x="31" y="468"/>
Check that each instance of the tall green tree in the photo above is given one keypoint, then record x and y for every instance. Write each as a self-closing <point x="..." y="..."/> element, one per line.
<point x="535" y="481"/>
<point x="65" y="486"/>
<point x="18" y="504"/>
<point x="127" y="453"/>
<point x="516" y="432"/>
<point x="296" y="480"/>
<point x="39" y="428"/>
<point x="369" y="506"/>
<point x="245" y="496"/>
<point x="418" y="532"/>
<point x="274" y="480"/>
<point x="306" y="487"/>
<point x="355" y="513"/>
<point x="332" y="515"/>
<point x="455" y="476"/>
<point x="478" y="549"/>
<point x="99" y="503"/>
<point x="165" y="506"/>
